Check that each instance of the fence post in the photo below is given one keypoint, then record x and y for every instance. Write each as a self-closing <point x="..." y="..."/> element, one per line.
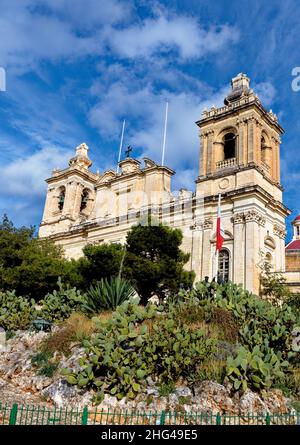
<point x="218" y="419"/>
<point x="84" y="417"/>
<point x="268" y="419"/>
<point x="13" y="414"/>
<point x="162" y="418"/>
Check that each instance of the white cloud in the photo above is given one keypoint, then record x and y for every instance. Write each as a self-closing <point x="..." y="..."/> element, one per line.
<point x="28" y="35"/>
<point x="87" y="13"/>
<point x="25" y="177"/>
<point x="161" y="35"/>
<point x="144" y="110"/>
<point x="266" y="92"/>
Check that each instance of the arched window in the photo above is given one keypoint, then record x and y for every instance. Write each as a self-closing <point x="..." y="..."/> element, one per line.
<point x="229" y="145"/>
<point x="84" y="199"/>
<point x="61" y="198"/>
<point x="223" y="269"/>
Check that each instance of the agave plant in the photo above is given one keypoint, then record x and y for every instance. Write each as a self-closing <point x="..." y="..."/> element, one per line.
<point x="108" y="294"/>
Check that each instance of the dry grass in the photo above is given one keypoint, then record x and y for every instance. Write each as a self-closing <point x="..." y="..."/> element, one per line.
<point x="224" y="323"/>
<point x="74" y="330"/>
<point x="81" y="326"/>
<point x="103" y="317"/>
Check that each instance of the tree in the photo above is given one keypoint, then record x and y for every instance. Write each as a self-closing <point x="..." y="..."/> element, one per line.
<point x="29" y="265"/>
<point x="102" y="261"/>
<point x="154" y="261"/>
<point x="273" y="284"/>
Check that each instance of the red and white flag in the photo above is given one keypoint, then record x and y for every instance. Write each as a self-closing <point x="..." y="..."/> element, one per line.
<point x="220" y="231"/>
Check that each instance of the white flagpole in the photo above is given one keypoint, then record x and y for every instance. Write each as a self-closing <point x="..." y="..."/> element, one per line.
<point x="121" y="145"/>
<point x="165" y="134"/>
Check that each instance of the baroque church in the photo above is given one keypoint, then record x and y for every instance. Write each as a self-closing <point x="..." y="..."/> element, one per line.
<point x="239" y="159"/>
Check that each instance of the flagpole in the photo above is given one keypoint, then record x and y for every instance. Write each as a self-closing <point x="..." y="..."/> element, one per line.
<point x="165" y="134"/>
<point x="121" y="145"/>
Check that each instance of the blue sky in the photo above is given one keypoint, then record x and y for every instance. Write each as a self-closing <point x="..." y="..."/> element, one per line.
<point x="76" y="68"/>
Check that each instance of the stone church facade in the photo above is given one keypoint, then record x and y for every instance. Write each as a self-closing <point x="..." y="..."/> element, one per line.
<point x="239" y="159"/>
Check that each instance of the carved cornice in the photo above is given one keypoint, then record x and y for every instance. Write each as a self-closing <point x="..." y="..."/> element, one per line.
<point x="207" y="133"/>
<point x="255" y="216"/>
<point x="239" y="218"/>
<point x="276" y="139"/>
<point x="198" y="224"/>
<point x="279" y="231"/>
<point x="207" y="223"/>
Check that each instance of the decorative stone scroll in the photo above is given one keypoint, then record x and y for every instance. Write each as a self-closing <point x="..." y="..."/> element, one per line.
<point x="239" y="218"/>
<point x="197" y="225"/>
<point x="255" y="216"/>
<point x="279" y="231"/>
<point x="208" y="223"/>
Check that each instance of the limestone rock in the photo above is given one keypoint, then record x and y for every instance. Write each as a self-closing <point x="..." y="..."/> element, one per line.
<point x="250" y="402"/>
<point x="62" y="394"/>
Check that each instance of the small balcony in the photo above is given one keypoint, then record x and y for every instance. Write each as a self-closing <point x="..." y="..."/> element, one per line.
<point x="227" y="163"/>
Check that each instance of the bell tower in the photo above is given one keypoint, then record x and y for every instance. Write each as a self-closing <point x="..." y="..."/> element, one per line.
<point x="70" y="195"/>
<point x="240" y="159"/>
<point x="240" y="136"/>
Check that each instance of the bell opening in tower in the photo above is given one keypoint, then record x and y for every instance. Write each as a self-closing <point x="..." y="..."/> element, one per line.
<point x="229" y="145"/>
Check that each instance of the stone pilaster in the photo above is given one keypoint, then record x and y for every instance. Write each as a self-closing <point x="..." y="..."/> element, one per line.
<point x="49" y="204"/>
<point x="251" y="139"/>
<point x="203" y="154"/>
<point x="210" y="155"/>
<point x="275" y="159"/>
<point x="206" y="248"/>
<point x="71" y="199"/>
<point x="196" y="251"/>
<point x="241" y="142"/>
<point x="253" y="221"/>
<point x="238" y="263"/>
<point x="258" y="143"/>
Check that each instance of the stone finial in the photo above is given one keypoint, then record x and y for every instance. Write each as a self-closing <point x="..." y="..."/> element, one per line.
<point x="81" y="158"/>
<point x="82" y="150"/>
<point x="149" y="163"/>
<point x="240" y="86"/>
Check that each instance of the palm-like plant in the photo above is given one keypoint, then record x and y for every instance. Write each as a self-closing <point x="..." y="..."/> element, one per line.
<point x="108" y="294"/>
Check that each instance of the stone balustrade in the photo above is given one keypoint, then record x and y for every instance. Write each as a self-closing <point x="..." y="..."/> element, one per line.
<point x="227" y="163"/>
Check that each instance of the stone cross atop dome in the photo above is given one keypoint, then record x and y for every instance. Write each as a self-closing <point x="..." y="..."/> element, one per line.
<point x="81" y="158"/>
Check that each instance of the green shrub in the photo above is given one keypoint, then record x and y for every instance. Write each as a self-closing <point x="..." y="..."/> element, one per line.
<point x="165" y="389"/>
<point x="256" y="369"/>
<point x="294" y="301"/>
<point x="108" y="294"/>
<point x="59" y="305"/>
<point x="137" y="342"/>
<point x="42" y="360"/>
<point x="15" y="312"/>
<point x="214" y="370"/>
<point x="260" y="322"/>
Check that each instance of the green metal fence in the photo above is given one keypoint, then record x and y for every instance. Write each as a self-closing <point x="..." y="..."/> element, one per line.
<point x="41" y="415"/>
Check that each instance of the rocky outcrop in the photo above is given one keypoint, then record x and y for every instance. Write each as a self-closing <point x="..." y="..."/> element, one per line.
<point x="19" y="376"/>
<point x="63" y="394"/>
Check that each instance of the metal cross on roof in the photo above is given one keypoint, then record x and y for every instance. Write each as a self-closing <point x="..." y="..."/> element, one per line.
<point x="128" y="151"/>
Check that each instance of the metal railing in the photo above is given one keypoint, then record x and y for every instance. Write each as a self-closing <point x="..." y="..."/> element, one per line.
<point x="42" y="415"/>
